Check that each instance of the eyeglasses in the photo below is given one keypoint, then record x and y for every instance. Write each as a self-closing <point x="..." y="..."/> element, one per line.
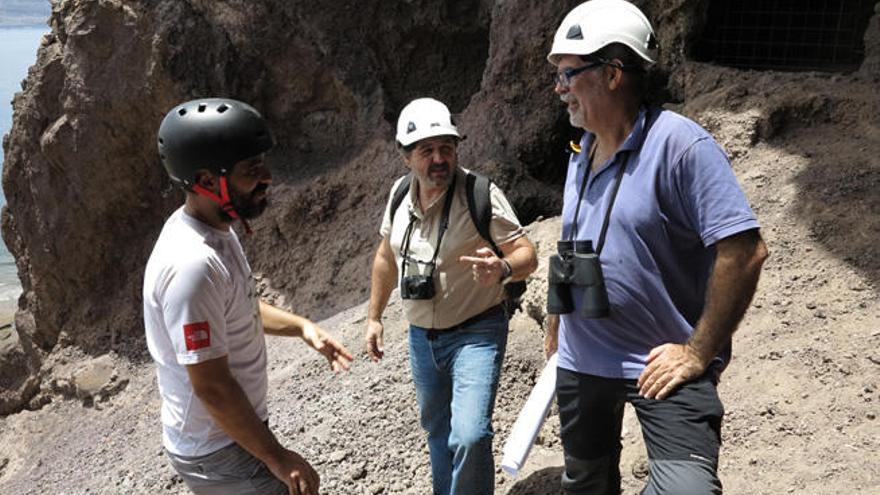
<point x="564" y="78"/>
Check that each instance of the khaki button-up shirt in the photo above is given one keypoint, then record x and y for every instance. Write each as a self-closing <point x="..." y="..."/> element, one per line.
<point x="458" y="297"/>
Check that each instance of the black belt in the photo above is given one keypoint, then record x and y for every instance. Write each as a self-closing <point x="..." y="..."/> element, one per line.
<point x="492" y="312"/>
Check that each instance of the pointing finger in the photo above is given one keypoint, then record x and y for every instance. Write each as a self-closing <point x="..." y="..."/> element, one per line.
<point x="485" y="262"/>
<point x="485" y="252"/>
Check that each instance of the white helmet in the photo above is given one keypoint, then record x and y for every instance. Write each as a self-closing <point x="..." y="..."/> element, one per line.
<point x="595" y="24"/>
<point x="423" y="118"/>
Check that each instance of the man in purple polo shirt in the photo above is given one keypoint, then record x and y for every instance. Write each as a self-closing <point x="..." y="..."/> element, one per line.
<point x="680" y="252"/>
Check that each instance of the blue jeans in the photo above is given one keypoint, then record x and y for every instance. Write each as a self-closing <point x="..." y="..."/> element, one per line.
<point x="456" y="377"/>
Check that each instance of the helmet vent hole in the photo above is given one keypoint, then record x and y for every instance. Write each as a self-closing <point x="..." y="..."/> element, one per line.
<point x="222" y="108"/>
<point x="574" y="33"/>
<point x="202" y="107"/>
<point x="181" y="112"/>
<point x="161" y="141"/>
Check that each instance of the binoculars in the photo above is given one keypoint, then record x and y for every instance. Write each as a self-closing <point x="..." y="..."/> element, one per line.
<point x="417" y="287"/>
<point x="576" y="265"/>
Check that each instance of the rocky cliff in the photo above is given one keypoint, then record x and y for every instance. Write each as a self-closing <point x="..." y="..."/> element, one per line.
<point x="87" y="195"/>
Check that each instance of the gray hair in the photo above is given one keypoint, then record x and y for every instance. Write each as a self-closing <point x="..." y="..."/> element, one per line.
<point x="635" y="66"/>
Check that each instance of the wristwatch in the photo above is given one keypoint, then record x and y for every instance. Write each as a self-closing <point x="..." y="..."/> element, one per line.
<point x="507" y="275"/>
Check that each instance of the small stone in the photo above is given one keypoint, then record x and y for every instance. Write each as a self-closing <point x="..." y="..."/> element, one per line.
<point x="358" y="472"/>
<point x="871" y="416"/>
<point x="94" y="376"/>
<point x="338" y="456"/>
<point x="377" y="488"/>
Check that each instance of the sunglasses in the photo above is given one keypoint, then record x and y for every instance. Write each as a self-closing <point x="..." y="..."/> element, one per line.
<point x="564" y="77"/>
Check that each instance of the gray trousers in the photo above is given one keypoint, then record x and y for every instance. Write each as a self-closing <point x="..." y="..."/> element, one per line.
<point x="682" y="434"/>
<point x="228" y="471"/>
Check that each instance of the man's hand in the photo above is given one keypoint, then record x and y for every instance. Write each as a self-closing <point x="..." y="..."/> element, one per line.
<point x="337" y="355"/>
<point x="487" y="268"/>
<point x="375" y="343"/>
<point x="296" y="473"/>
<point x="669" y="366"/>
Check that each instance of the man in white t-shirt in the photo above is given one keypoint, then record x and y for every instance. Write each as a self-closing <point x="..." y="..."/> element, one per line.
<point x="204" y="320"/>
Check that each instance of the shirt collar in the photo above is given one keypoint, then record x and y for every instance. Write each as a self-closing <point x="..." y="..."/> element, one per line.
<point x="636" y="135"/>
<point x="631" y="143"/>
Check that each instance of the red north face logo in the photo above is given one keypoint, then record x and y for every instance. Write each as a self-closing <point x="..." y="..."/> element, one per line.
<point x="197" y="335"/>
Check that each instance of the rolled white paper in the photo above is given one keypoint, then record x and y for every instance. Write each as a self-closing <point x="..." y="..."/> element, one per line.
<point x="530" y="419"/>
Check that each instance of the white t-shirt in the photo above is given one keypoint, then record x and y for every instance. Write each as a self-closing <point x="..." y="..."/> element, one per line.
<point x="201" y="303"/>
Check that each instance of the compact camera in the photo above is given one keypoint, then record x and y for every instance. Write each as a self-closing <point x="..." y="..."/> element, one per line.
<point x="417" y="287"/>
<point x="576" y="264"/>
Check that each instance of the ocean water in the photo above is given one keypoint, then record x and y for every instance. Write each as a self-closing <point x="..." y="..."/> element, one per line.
<point x="18" y="51"/>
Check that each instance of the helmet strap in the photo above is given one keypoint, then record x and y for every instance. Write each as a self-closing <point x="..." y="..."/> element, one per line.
<point x="224" y="200"/>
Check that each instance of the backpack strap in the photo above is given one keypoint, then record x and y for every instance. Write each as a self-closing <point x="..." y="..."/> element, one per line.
<point x="399" y="194"/>
<point x="480" y="206"/>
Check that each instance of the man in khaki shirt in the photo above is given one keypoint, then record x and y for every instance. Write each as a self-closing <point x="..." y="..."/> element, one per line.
<point x="452" y="285"/>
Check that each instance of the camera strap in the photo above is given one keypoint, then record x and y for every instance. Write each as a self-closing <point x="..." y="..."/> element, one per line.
<point x="444" y="225"/>
<point x="649" y="121"/>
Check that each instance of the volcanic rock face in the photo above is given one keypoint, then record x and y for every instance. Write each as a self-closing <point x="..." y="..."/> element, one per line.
<point x="87" y="196"/>
<point x="86" y="193"/>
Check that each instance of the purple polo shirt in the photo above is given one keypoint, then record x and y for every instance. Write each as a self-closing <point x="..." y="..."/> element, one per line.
<point x="677" y="198"/>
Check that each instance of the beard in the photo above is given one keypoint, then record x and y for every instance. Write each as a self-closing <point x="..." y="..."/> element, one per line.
<point x="247" y="205"/>
<point x="576" y="117"/>
<point x="439" y="174"/>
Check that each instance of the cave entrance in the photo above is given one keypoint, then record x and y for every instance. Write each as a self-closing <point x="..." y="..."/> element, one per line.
<point x="791" y="35"/>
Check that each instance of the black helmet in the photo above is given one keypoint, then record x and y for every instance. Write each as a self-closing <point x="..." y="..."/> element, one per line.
<point x="210" y="133"/>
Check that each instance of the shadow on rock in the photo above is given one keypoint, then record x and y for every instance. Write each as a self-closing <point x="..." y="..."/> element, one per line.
<point x="839" y="201"/>
<point x="783" y="131"/>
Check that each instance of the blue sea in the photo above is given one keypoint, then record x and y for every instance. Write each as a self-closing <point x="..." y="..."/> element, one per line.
<point x="18" y="51"/>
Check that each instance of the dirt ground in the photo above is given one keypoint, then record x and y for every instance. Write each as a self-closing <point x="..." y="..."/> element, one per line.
<point x="801" y="394"/>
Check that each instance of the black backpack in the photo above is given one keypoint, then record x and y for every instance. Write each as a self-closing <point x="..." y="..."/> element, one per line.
<point x="480" y="208"/>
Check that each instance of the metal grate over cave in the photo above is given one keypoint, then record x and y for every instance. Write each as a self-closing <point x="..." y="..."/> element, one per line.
<point x="791" y="35"/>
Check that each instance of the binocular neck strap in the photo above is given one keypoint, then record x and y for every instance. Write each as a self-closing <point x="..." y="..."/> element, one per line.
<point x="614" y="190"/>
<point x="444" y="225"/>
<point x="650" y="118"/>
<point x="607" y="219"/>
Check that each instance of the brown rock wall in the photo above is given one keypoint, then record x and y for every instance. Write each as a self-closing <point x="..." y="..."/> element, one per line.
<point x="87" y="196"/>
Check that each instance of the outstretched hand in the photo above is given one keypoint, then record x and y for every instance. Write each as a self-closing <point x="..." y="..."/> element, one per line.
<point x="669" y="367"/>
<point x="487" y="268"/>
<point x="337" y="355"/>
